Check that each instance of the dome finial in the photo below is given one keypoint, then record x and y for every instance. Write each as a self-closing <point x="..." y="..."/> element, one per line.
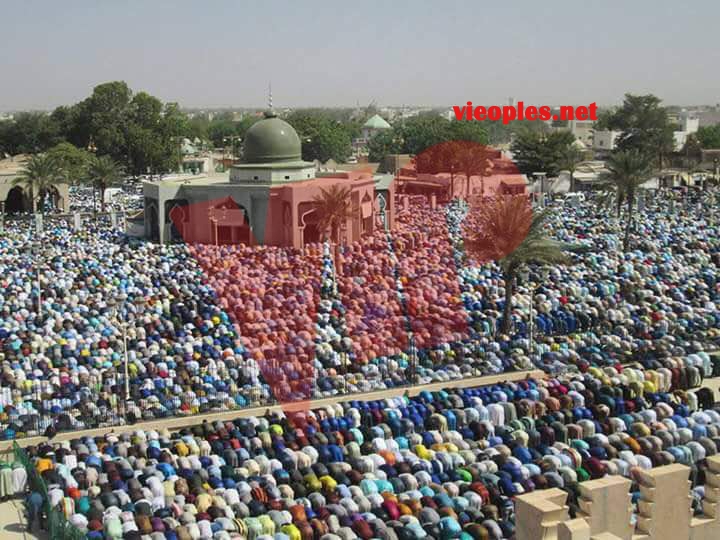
<point x="270" y="113"/>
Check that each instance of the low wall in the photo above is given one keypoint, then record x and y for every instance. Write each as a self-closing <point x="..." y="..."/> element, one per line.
<point x="664" y="509"/>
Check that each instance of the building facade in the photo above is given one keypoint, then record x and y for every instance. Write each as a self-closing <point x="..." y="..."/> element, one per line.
<point x="268" y="199"/>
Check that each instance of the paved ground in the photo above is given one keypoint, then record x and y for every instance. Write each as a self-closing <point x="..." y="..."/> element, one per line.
<point x="12" y="525"/>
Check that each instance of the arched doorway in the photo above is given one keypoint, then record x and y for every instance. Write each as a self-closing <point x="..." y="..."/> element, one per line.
<point x="177" y="216"/>
<point x="231" y="223"/>
<point x="381" y="214"/>
<point x="366" y="214"/>
<point x="311" y="233"/>
<point x="152" y="225"/>
<point x="15" y="201"/>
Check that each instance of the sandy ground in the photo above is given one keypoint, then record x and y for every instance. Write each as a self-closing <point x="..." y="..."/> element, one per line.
<point x="12" y="523"/>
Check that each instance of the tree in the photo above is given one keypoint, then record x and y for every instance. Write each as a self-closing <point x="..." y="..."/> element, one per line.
<point x="384" y="144"/>
<point x="322" y="137"/>
<point x="627" y="171"/>
<point x="417" y="134"/>
<point x="145" y="111"/>
<point x="107" y="112"/>
<point x="440" y="158"/>
<point x="71" y="160"/>
<point x="149" y="152"/>
<point x="219" y="128"/>
<point x="644" y="126"/>
<point x="334" y="208"/>
<point x="709" y="136"/>
<point x="103" y="172"/>
<point x="422" y="131"/>
<point x="461" y="130"/>
<point x="474" y="160"/>
<point x="40" y="174"/>
<point x="568" y="160"/>
<point x="692" y="150"/>
<point x="510" y="233"/>
<point x="29" y="133"/>
<point x="538" y="152"/>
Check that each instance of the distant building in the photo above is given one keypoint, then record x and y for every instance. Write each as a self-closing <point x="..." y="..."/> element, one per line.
<point x="374" y="125"/>
<point x="392" y="163"/>
<point x="689" y="124"/>
<point x="604" y="140"/>
<point x="709" y="117"/>
<point x="15" y="198"/>
<point x="583" y="130"/>
<point x="504" y="179"/>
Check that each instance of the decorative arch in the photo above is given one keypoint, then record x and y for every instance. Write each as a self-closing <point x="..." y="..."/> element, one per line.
<point x="176" y="215"/>
<point x="231" y="222"/>
<point x="381" y="216"/>
<point x="309" y="217"/>
<point x="152" y="221"/>
<point x="16" y="201"/>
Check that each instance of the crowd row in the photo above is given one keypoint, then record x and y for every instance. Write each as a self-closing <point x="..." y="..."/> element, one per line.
<point x="440" y="465"/>
<point x="90" y="317"/>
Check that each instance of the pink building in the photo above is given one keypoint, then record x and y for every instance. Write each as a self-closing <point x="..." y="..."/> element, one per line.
<point x="267" y="199"/>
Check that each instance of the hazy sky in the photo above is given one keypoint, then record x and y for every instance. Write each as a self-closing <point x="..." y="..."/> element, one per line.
<point x="223" y="52"/>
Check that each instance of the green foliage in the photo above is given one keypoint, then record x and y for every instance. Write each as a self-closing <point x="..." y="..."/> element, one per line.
<point x="107" y="113"/>
<point x="222" y="127"/>
<point x="29" y="133"/>
<point x="692" y="151"/>
<point x="137" y="130"/>
<point x="709" y="136"/>
<point x="460" y="130"/>
<point x="499" y="133"/>
<point x="322" y="137"/>
<point x="627" y="171"/>
<point x="537" y="247"/>
<point x="537" y="152"/>
<point x="422" y="131"/>
<point x="644" y="126"/>
<point x="71" y="160"/>
<point x="103" y="172"/>
<point x="383" y="144"/>
<point x="416" y="134"/>
<point x="568" y="159"/>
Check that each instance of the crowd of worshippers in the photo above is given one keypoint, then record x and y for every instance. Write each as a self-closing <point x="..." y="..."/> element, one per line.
<point x="89" y="318"/>
<point x="442" y="465"/>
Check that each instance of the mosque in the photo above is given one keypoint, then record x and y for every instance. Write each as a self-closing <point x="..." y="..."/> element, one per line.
<point x="267" y="199"/>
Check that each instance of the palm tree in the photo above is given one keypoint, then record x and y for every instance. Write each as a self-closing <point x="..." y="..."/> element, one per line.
<point x="334" y="208"/>
<point x="510" y="233"/>
<point x="627" y="171"/>
<point x="568" y="160"/>
<point x="41" y="172"/>
<point x="102" y="172"/>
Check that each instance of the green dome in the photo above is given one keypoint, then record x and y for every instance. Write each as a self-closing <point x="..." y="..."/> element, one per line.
<point x="377" y="122"/>
<point x="271" y="140"/>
